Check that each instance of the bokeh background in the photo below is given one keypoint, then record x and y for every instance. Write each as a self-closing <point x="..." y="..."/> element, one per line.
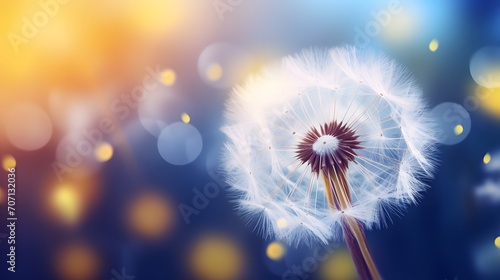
<point x="94" y="95"/>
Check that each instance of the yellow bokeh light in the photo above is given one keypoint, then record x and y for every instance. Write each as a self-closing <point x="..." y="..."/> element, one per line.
<point x="459" y="129"/>
<point x="339" y="266"/>
<point x="282" y="223"/>
<point x="77" y="261"/>
<point x="214" y="72"/>
<point x="150" y="216"/>
<point x="8" y="162"/>
<point x="217" y="258"/>
<point x="489" y="100"/>
<point x="103" y="152"/>
<point x="168" y="77"/>
<point x="185" y="118"/>
<point x="487" y="158"/>
<point x="497" y="242"/>
<point x="275" y="251"/>
<point x="433" y="45"/>
<point x="67" y="203"/>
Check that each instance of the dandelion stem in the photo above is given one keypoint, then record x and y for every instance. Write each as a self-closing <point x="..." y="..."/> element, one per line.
<point x="339" y="198"/>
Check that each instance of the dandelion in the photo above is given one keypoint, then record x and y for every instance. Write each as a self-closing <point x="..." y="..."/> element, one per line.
<point x="330" y="141"/>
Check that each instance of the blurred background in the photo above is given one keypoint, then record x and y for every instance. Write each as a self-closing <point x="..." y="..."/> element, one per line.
<point x="94" y="95"/>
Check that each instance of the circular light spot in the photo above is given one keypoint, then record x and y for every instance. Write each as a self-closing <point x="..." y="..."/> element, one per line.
<point x="485" y="259"/>
<point x="485" y="67"/>
<point x="452" y="121"/>
<point x="185" y="118"/>
<point x="28" y="127"/>
<point x="339" y="266"/>
<point x="221" y="65"/>
<point x="487" y="158"/>
<point x="77" y="261"/>
<point x="492" y="166"/>
<point x="160" y="108"/>
<point x="459" y="129"/>
<point x="282" y="223"/>
<point x="488" y="99"/>
<point x="67" y="203"/>
<point x="168" y="77"/>
<point x="433" y="45"/>
<point x="216" y="258"/>
<point x="497" y="242"/>
<point x="150" y="216"/>
<point x="8" y="162"/>
<point x="103" y="152"/>
<point x="275" y="251"/>
<point x="180" y="143"/>
<point x="214" y="72"/>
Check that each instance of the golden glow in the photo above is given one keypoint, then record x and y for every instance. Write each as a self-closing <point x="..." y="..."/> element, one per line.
<point x="339" y="266"/>
<point x="8" y="161"/>
<point x="67" y="203"/>
<point x="185" y="118"/>
<point x="459" y="129"/>
<point x="487" y="74"/>
<point x="103" y="152"/>
<point x="497" y="242"/>
<point x="275" y="251"/>
<point x="492" y="76"/>
<point x="433" y="45"/>
<point x="71" y="46"/>
<point x="216" y="258"/>
<point x="168" y="77"/>
<point x="77" y="261"/>
<point x="154" y="16"/>
<point x="282" y="223"/>
<point x="487" y="158"/>
<point x="489" y="100"/>
<point x="401" y="27"/>
<point x="214" y="72"/>
<point x="150" y="216"/>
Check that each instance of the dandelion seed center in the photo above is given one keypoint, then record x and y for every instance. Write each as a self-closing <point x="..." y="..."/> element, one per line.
<point x="325" y="144"/>
<point x="332" y="146"/>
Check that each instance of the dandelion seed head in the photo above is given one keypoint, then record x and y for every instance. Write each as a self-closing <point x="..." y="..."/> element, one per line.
<point x="325" y="144"/>
<point x="332" y="146"/>
<point x="342" y="112"/>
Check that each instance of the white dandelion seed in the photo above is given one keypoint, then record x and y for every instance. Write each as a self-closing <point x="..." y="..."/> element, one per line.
<point x="329" y="141"/>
